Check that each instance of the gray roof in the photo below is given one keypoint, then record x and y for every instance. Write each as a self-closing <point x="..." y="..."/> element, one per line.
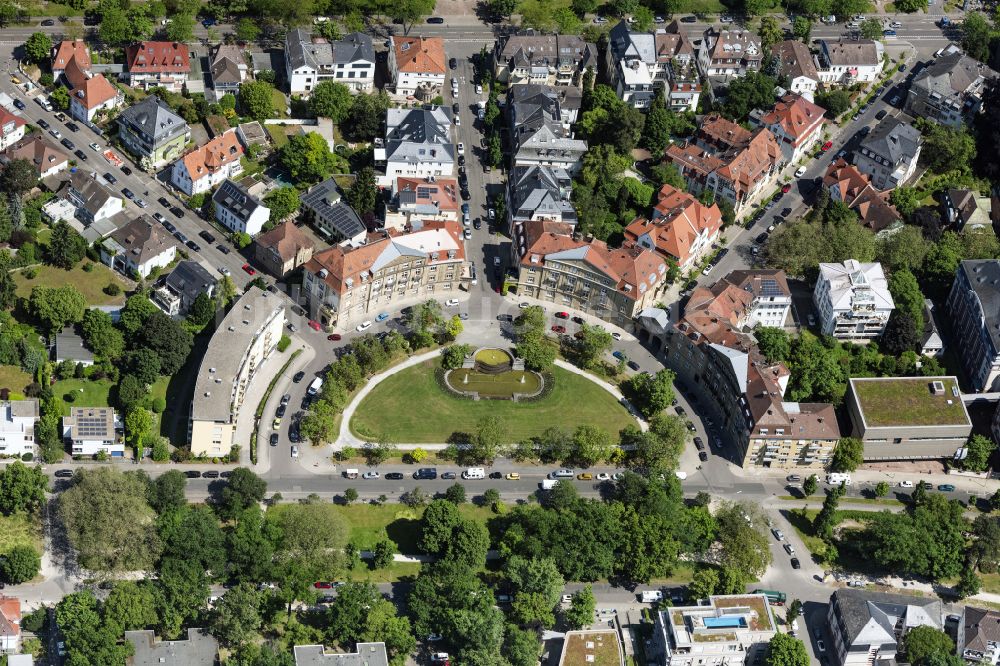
<point x="93" y="194"/>
<point x="894" y="140"/>
<point x="528" y="49"/>
<point x="200" y="649"/>
<point x="325" y="201"/>
<point x="368" y="654"/>
<point x="951" y="74"/>
<point x="190" y="278"/>
<point x="876" y="613"/>
<point x="69" y="347"/>
<point x="226" y="64"/>
<point x="153" y="118"/>
<point x="984" y="277"/>
<point x="416" y="135"/>
<point x="979" y="628"/>
<point x="541" y="190"/>
<point x="143" y="239"/>
<point x="846" y="52"/>
<point x="90" y="423"/>
<point x="26" y="408"/>
<point x="301" y="51"/>
<point x="236" y="200"/>
<point x="631" y="45"/>
<point x="533" y="101"/>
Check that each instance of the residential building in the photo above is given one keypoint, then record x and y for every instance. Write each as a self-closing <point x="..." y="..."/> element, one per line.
<point x="888" y="155"/>
<point x="242" y="342"/>
<point x="979" y="635"/>
<point x="310" y="60"/>
<point x="17" y="426"/>
<point x="417" y="64"/>
<point x="973" y="307"/>
<point x="794" y="61"/>
<point x="35" y="148"/>
<point x="324" y="206"/>
<point x="151" y="131"/>
<point x="178" y="290"/>
<point x="732" y="163"/>
<point x="10" y="625"/>
<point x="729" y="629"/>
<point x="91" y="430"/>
<point x="253" y="134"/>
<point x="849" y="61"/>
<point x="366" y="654"/>
<point x="908" y="418"/>
<point x="157" y="64"/>
<point x="682" y="229"/>
<point x="68" y="51"/>
<point x="852" y="300"/>
<point x="11" y="128"/>
<point x="537" y="193"/>
<point x="846" y="184"/>
<point x="70" y="347"/>
<point x="349" y="282"/>
<point x="729" y="53"/>
<point x="417" y="144"/>
<point x="613" y="285"/>
<point x="867" y="626"/>
<point x="677" y="61"/>
<point x="545" y="142"/>
<point x="206" y="166"/>
<point x="595" y="646"/>
<point x="753" y="297"/>
<point x="91" y="95"/>
<point x="795" y="122"/>
<point x="139" y="247"/>
<point x="238" y="210"/>
<point x="966" y="209"/>
<point x="228" y="70"/>
<point x="198" y="649"/>
<point x="283" y="249"/>
<point x="720" y="362"/>
<point x="931" y="342"/>
<point x="554" y="60"/>
<point x="949" y="90"/>
<point x="530" y="101"/>
<point x="93" y="201"/>
<point x="417" y="199"/>
<point x="632" y="65"/>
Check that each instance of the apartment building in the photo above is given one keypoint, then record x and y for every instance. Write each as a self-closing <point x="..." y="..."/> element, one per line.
<point x="849" y="61"/>
<point x="417" y="63"/>
<point x="728" y="629"/>
<point x="177" y="291"/>
<point x="151" y="131"/>
<point x="537" y="193"/>
<point x="868" y="626"/>
<point x="324" y="206"/>
<point x="91" y="431"/>
<point x="974" y="308"/>
<point x="92" y="200"/>
<point x="17" y="426"/>
<point x="530" y="101"/>
<point x="642" y="65"/>
<point x="729" y="53"/>
<point x="681" y="230"/>
<point x="847" y="184"/>
<point x="554" y="60"/>
<point x="206" y="166"/>
<point x="753" y="297"/>
<point x="238" y="210"/>
<point x="543" y="140"/>
<point x="889" y="154"/>
<point x="418" y="199"/>
<point x="242" y="342"/>
<point x="139" y="247"/>
<point x="796" y="123"/>
<point x="228" y="70"/>
<point x="309" y="60"/>
<point x="47" y="159"/>
<point x="979" y="635"/>
<point x="158" y="64"/>
<point x="417" y="145"/>
<point x="283" y="249"/>
<point x="365" y="654"/>
<point x="793" y="60"/>
<point x="11" y="129"/>
<point x="852" y="300"/>
<point x="949" y="90"/>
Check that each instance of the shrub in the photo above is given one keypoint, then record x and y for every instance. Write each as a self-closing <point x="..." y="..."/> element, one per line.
<point x="30" y="273"/>
<point x="161" y="452"/>
<point x="284" y="342"/>
<point x="88" y="268"/>
<point x="27" y="457"/>
<point x="159" y="404"/>
<point x="112" y="289"/>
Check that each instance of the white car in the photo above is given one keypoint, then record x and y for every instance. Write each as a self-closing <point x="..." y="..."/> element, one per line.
<point x="295" y="451"/>
<point x="468" y="234"/>
<point x="55" y="133"/>
<point x="434" y="638"/>
<point x="567" y="598"/>
<point x="524" y="305"/>
<point x="479" y="89"/>
<point x="451" y="302"/>
<point x="61" y="647"/>
<point x="801" y="171"/>
<point x="604" y="476"/>
<point x="370" y="475"/>
<point x="364" y="326"/>
<point x="896" y="24"/>
<point x="458" y="121"/>
<point x="616" y="335"/>
<point x="906" y="484"/>
<point x="224" y="270"/>
<point x="461" y="149"/>
<point x="439" y="656"/>
<point x="95" y="147"/>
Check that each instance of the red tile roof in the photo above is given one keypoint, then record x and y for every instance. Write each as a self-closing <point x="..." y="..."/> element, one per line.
<point x="68" y="50"/>
<point x="157" y="58"/>
<point x="797" y="116"/>
<point x="678" y="219"/>
<point x="10" y="616"/>
<point x="420" y="55"/>
<point x="8" y="117"/>
<point x="94" y="91"/>
<point x="286" y="239"/>
<point x="217" y="153"/>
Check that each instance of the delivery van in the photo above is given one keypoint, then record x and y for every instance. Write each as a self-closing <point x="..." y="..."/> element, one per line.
<point x="474" y="473"/>
<point x="315" y="386"/>
<point x="548" y="484"/>
<point x="649" y="596"/>
<point x="350" y="473"/>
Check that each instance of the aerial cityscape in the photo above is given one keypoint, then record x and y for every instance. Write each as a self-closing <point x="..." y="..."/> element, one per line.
<point x="500" y="333"/>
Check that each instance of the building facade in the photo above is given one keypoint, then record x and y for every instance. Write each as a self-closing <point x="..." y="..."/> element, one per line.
<point x="974" y="308"/>
<point x="849" y="61"/>
<point x="729" y="629"/>
<point x="206" y="166"/>
<point x="889" y="154"/>
<point x="729" y="53"/>
<point x="796" y="123"/>
<point x="417" y="63"/>
<point x="796" y="62"/>
<point x="11" y="129"/>
<point x="682" y="229"/>
<point x="151" y="131"/>
<point x="949" y="90"/>
<point x="238" y="210"/>
<point x="310" y="61"/>
<point x="853" y="300"/>
<point x="417" y="145"/>
<point x="17" y="426"/>
<point x="554" y="60"/>
<point x="91" y="431"/>
<point x="868" y="626"/>
<point x="158" y="64"/>
<point x="139" y="247"/>
<point x="283" y="249"/>
<point x="35" y="148"/>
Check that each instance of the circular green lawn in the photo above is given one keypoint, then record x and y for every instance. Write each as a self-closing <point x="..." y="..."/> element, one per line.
<point x="411" y="408"/>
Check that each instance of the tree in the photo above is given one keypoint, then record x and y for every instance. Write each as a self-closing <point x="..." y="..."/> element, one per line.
<point x="881" y="489"/>
<point x="250" y="547"/>
<point x="903" y="249"/>
<point x="331" y="99"/>
<point x="89" y="637"/>
<point x="455" y="493"/>
<point x="182" y="592"/>
<point x="656" y="131"/>
<point x="592" y="342"/>
<point x="773" y="343"/>
<point x="900" y="334"/>
<point x="359" y="614"/>
<point x="922" y="644"/>
<point x="703" y="584"/>
<point x="193" y="534"/>
<point x="979" y="449"/>
<point x="770" y="31"/>
<point x="802" y="28"/>
<point x="824" y="521"/>
<point x="109" y="522"/>
<point x="437" y="525"/>
<point x="786" y="650"/>
<point x="521" y="647"/>
<point x="308" y="158"/>
<point x="926" y="540"/>
<point x="409" y="12"/>
<point x="753" y="91"/>
<point x="257" y="100"/>
<point x="969" y="584"/>
<point x="166" y="492"/>
<point x="181" y="28"/>
<point x="66" y="247"/>
<point x="38" y="47"/>
<point x="283" y="202"/>
<point x="130" y="606"/>
<point x="22" y="488"/>
<point x="581" y="608"/>
<point x="535" y="575"/>
<point x="363" y="193"/>
<point x="138" y="421"/>
<point x="244" y="489"/>
<point x="56" y="307"/>
<point x="247" y="30"/>
<point x="835" y="102"/>
<point x="134" y="315"/>
<point x="810" y="484"/>
<point x="532" y="609"/>
<point x="101" y="336"/>
<point x="367" y="116"/>
<point x="169" y="339"/>
<point x="976" y="35"/>
<point x="238" y="615"/>
<point x="491" y="435"/>
<point x="653" y="393"/>
<point x="202" y="310"/>
<point x="950" y="148"/>
<point x="871" y="29"/>
<point x="745" y="548"/>
<point x="320" y="423"/>
<point x="906" y="200"/>
<point x="20" y="564"/>
<point x="848" y="455"/>
<point x="19" y="176"/>
<point x="383" y="553"/>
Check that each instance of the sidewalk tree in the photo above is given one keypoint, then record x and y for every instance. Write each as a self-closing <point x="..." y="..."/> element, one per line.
<point x="871" y="29"/>
<point x="591" y="445"/>
<point x="786" y="650"/>
<point x="535" y="574"/>
<point x="581" y="608"/>
<point x="802" y="28"/>
<point x="350" y="495"/>
<point x="745" y="547"/>
<point x="590" y="344"/>
<point x="22" y="488"/>
<point x="491" y="435"/>
<point x="980" y="449"/>
<point x="455" y="493"/>
<point x="244" y="489"/>
<point x="969" y="583"/>
<point x="383" y="553"/>
<point x="881" y="489"/>
<point x="848" y="455"/>
<point x="166" y="492"/>
<point x="20" y="564"/>
<point x="825" y="519"/>
<point x="59" y="99"/>
<point x="237" y="616"/>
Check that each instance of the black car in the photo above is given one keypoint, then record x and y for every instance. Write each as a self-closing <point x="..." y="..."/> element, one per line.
<point x="435" y="20"/>
<point x="453" y="63"/>
<point x="689" y="19"/>
<point x="465" y="194"/>
<point x="179" y="235"/>
<point x="42" y="123"/>
<point x="702" y="456"/>
<point x="222" y="248"/>
<point x="64" y="473"/>
<point x="280" y="411"/>
<point x="169" y="227"/>
<point x="394" y="476"/>
<point x="455" y="108"/>
<point x="293" y="434"/>
<point x="298" y="377"/>
<point x="449" y="476"/>
<point x="129" y="194"/>
<point x="785" y="212"/>
<point x="274" y="439"/>
<point x="633" y="365"/>
<point x="194" y="246"/>
<point x="177" y="212"/>
<point x="699" y="443"/>
<point x="81" y="155"/>
<point x="881" y="114"/>
<point x="761" y="237"/>
<point x="69" y="144"/>
<point x="505" y="317"/>
<point x="192" y="474"/>
<point x="108" y="176"/>
<point x="126" y="170"/>
<point x="163" y="202"/>
<point x="477" y="223"/>
<point x="72" y="127"/>
<point x="426" y="473"/>
<point x="496" y="475"/>
<point x="48" y="23"/>
<point x="226" y="474"/>
<point x="680" y="411"/>
<point x="795" y="563"/>
<point x="211" y="474"/>
<point x="461" y="160"/>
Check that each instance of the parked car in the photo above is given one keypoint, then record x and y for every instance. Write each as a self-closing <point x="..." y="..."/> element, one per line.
<point x="946" y="488"/>
<point x="778" y="534"/>
<point x="64" y="473"/>
<point x="274" y="439"/>
<point x="633" y="366"/>
<point x="128" y="194"/>
<point x="394" y="476"/>
<point x="795" y="563"/>
<point x="562" y="315"/>
<point x="209" y="238"/>
<point x="800" y="172"/>
<point x="558" y="329"/>
<point x="702" y="456"/>
<point x="370" y="475"/>
<point x="249" y="270"/>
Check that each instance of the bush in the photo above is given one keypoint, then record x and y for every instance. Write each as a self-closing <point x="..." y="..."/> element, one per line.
<point x="159" y="404"/>
<point x="30" y="273"/>
<point x="88" y="268"/>
<point x="284" y="342"/>
<point x="27" y="457"/>
<point x="161" y="452"/>
<point x="112" y="289"/>
<point x="46" y="79"/>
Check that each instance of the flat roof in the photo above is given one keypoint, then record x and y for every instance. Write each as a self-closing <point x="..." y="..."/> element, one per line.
<point x="910" y="401"/>
<point x="583" y="648"/>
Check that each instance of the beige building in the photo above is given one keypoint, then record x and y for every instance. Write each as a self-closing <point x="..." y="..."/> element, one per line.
<point x="283" y="249"/>
<point x="351" y="282"/>
<point x="611" y="284"/>
<point x="242" y="342"/>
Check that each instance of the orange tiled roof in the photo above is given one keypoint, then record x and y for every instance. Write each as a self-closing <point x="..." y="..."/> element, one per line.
<point x="797" y="116"/>
<point x="94" y="91"/>
<point x="748" y="165"/>
<point x="847" y="180"/>
<point x="420" y="55"/>
<point x="68" y="50"/>
<point x="158" y="58"/>
<point x="678" y="220"/>
<point x="10" y="616"/>
<point x="723" y="132"/>
<point x="8" y="117"/>
<point x="217" y="153"/>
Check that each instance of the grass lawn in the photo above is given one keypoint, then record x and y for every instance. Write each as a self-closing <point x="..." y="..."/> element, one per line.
<point x="370" y="523"/>
<point x="280" y="104"/>
<point x="391" y="408"/>
<point x="19" y="530"/>
<point x="498" y="386"/>
<point x="493" y="357"/>
<point x="701" y="7"/>
<point x="91" y="284"/>
<point x="86" y="393"/>
<point x="991" y="582"/>
<point x="15" y="379"/>
<point x="279" y="134"/>
<point x="902" y="401"/>
<point x="391" y="574"/>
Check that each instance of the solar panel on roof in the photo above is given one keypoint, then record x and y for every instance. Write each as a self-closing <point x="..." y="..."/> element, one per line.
<point x="770" y="288"/>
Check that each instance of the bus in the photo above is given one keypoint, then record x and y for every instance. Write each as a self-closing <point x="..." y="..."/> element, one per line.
<point x="774" y="597"/>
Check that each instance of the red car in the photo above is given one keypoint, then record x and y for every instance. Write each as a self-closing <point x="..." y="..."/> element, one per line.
<point x="827" y="146"/>
<point x="248" y="269"/>
<point x="558" y="329"/>
<point x="562" y="315"/>
<point x="314" y="325"/>
<point x="785" y="189"/>
<point x="334" y="337"/>
<point x="321" y="585"/>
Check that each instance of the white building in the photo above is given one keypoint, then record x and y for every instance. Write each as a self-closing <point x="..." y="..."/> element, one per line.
<point x="238" y="210"/>
<point x="139" y="247"/>
<point x="308" y="61"/>
<point x="850" y="61"/>
<point x="417" y="63"/>
<point x="868" y="626"/>
<point x="889" y="154"/>
<point x="730" y="629"/>
<point x="242" y="343"/>
<point x="92" y="95"/>
<point x="794" y="60"/>
<point x="417" y="145"/>
<point x="853" y="300"/>
<point x="979" y="635"/>
<point x="17" y="427"/>
<point x="729" y="53"/>
<point x="91" y="430"/>
<point x="93" y="201"/>
<point x="11" y="128"/>
<point x="207" y="166"/>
